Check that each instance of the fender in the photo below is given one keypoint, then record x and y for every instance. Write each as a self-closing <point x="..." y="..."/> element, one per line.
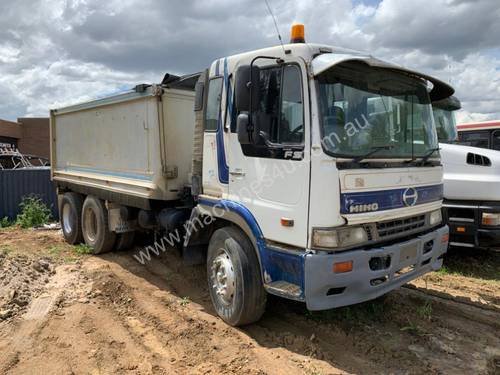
<point x="282" y="270"/>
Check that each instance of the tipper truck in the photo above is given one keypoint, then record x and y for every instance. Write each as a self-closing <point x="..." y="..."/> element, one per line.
<point x="471" y="205"/>
<point x="305" y="171"/>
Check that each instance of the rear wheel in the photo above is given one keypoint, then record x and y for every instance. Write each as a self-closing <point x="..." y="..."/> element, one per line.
<point x="95" y="226"/>
<point x="70" y="217"/>
<point x="124" y="241"/>
<point x="234" y="278"/>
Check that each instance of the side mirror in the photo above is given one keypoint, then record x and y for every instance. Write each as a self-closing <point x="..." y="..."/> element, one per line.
<point x="242" y="123"/>
<point x="247" y="82"/>
<point x="199" y="90"/>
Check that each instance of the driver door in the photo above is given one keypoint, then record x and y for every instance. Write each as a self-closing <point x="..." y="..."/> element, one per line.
<point x="272" y="180"/>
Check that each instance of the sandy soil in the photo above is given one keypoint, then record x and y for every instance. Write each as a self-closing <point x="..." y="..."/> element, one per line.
<point x="110" y="314"/>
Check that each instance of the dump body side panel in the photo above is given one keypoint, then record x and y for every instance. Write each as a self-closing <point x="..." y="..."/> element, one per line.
<point x="121" y="146"/>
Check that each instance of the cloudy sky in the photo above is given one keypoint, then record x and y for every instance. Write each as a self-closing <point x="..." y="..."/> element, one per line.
<point x="57" y="52"/>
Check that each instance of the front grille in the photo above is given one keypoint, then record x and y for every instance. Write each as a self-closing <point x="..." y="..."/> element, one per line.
<point x="369" y="233"/>
<point x="400" y="226"/>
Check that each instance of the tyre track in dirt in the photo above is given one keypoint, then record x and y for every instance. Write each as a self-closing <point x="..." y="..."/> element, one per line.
<point x="286" y="330"/>
<point x="115" y="315"/>
<point x="201" y="342"/>
<point x="23" y="335"/>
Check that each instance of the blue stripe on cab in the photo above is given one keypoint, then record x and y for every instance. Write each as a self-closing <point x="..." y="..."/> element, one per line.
<point x="388" y="199"/>
<point x="223" y="168"/>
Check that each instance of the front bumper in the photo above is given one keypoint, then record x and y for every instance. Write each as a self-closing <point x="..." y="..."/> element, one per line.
<point x="325" y="289"/>
<point x="465" y="222"/>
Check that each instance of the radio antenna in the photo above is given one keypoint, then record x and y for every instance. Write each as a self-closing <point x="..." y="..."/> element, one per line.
<point x="275" y="24"/>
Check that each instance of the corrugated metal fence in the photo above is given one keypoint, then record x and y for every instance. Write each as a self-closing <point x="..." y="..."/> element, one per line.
<point x="18" y="183"/>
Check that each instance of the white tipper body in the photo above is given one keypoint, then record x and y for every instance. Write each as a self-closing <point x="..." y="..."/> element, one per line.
<point x="137" y="144"/>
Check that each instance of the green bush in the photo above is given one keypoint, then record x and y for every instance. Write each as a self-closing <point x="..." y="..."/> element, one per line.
<point x="33" y="212"/>
<point x="5" y="222"/>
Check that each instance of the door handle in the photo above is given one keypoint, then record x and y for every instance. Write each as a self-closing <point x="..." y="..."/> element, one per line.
<point x="237" y="172"/>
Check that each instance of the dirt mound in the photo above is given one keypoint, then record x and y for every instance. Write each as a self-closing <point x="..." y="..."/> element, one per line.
<point x="21" y="279"/>
<point x="111" y="314"/>
<point x="109" y="290"/>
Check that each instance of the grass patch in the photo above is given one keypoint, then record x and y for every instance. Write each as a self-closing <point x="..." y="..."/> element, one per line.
<point x="413" y="329"/>
<point x="83" y="249"/>
<point x="425" y="311"/>
<point x="5" y="249"/>
<point x="482" y="264"/>
<point x="185" y="301"/>
<point x="33" y="213"/>
<point x="447" y="271"/>
<point x="55" y="250"/>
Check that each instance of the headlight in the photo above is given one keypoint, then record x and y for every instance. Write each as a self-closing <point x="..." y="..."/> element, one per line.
<point x="435" y="218"/>
<point x="339" y="238"/>
<point x="491" y="219"/>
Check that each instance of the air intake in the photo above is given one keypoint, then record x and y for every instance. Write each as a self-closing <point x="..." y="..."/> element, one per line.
<point x="476" y="159"/>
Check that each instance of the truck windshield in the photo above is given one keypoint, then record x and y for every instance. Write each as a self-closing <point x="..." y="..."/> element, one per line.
<point x="362" y="109"/>
<point x="444" y="117"/>
<point x="446" y="126"/>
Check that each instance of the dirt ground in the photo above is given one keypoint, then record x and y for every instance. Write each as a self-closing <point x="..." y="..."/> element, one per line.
<point x="65" y="312"/>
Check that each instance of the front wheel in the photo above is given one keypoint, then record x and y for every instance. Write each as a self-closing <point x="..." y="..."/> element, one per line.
<point x="234" y="278"/>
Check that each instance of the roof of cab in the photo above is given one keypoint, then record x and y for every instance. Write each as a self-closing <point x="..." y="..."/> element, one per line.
<point x="323" y="57"/>
<point x="305" y="50"/>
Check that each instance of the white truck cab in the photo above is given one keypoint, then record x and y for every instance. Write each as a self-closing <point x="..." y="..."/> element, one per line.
<point x="330" y="161"/>
<point x="319" y="166"/>
<point x="471" y="164"/>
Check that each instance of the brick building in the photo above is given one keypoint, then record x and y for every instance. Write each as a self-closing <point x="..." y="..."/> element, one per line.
<point x="29" y="134"/>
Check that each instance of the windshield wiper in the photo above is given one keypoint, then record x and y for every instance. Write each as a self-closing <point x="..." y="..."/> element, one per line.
<point x="426" y="156"/>
<point x="372" y="151"/>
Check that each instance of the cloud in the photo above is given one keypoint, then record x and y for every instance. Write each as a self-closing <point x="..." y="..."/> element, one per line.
<point x="56" y="52"/>
<point x="456" y="28"/>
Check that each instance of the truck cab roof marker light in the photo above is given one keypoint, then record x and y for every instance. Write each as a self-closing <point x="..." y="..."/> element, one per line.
<point x="297" y="34"/>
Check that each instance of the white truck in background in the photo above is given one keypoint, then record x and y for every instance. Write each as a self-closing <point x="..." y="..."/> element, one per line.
<point x="471" y="204"/>
<point x="306" y="171"/>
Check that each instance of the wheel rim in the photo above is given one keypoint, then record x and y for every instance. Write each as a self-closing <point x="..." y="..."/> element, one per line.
<point x="90" y="225"/>
<point x="223" y="279"/>
<point x="66" y="215"/>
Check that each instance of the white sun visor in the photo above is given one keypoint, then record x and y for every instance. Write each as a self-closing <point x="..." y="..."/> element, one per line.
<point x="440" y="90"/>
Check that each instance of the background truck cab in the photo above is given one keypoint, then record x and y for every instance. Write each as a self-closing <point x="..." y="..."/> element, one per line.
<point x="471" y="178"/>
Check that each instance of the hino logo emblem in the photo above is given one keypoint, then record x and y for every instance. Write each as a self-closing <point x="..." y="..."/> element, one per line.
<point x="358" y="208"/>
<point x="410" y="197"/>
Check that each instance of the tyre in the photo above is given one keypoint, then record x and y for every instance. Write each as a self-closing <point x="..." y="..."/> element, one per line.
<point x="124" y="241"/>
<point x="234" y="279"/>
<point x="95" y="227"/>
<point x="70" y="213"/>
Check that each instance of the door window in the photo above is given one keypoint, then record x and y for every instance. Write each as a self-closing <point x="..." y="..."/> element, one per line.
<point x="291" y="128"/>
<point x="213" y="104"/>
<point x="280" y="111"/>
